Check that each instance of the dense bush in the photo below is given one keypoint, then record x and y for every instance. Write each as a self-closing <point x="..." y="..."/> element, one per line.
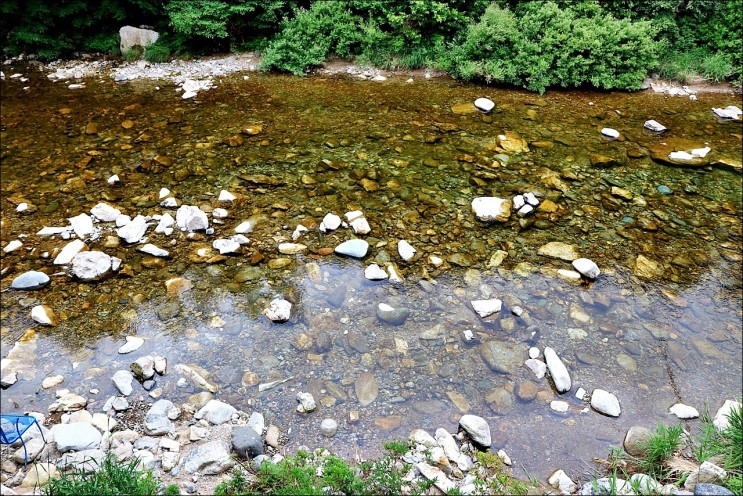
<point x="548" y="45"/>
<point x="308" y="39"/>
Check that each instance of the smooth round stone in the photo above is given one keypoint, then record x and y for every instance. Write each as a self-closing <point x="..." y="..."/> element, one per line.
<point x="30" y="280"/>
<point x="484" y="105"/>
<point x="559" y="406"/>
<point x="664" y="190"/>
<point x="328" y="427"/>
<point x="391" y="315"/>
<point x="534" y="352"/>
<point x="605" y="402"/>
<point x="587" y="268"/>
<point x="684" y="411"/>
<point x="353" y="248"/>
<point x="610" y="133"/>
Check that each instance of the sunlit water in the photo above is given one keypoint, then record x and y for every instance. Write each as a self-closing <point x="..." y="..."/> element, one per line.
<point x="400" y="154"/>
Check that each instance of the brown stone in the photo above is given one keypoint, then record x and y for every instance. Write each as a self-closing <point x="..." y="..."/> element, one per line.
<point x="598" y="160"/>
<point x="388" y="423"/>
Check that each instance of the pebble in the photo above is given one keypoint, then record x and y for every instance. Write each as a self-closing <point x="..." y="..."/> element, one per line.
<point x="353" y="248"/>
<point x="559" y="406"/>
<point x="44" y="315"/>
<point x="12" y="246"/>
<point x="132" y="343"/>
<point x="306" y="403"/>
<point x="226" y="196"/>
<point x="122" y="380"/>
<point x="375" y="273"/>
<point x="153" y="250"/>
<point x="226" y="246"/>
<point x="69" y="251"/>
<point x="534" y="352"/>
<point x="605" y="402"/>
<point x="610" y="133"/>
<point x="477" y="428"/>
<point x="684" y="411"/>
<point x="654" y="126"/>
<point x="484" y="105"/>
<point x="486" y="308"/>
<point x="405" y="250"/>
<point x="392" y="315"/>
<point x="491" y="209"/>
<point x="279" y="310"/>
<point x="558" y="371"/>
<point x="105" y="212"/>
<point x="330" y="222"/>
<point x="586" y="267"/>
<point x="328" y="427"/>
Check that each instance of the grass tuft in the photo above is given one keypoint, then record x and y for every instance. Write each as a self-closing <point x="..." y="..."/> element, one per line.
<point x="112" y="479"/>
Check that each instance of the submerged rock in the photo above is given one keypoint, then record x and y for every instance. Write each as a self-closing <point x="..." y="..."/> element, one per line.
<point x="190" y="218"/>
<point x="484" y="105"/>
<point x="654" y="126"/>
<point x="30" y="280"/>
<point x="353" y="248"/>
<point x="392" y="315"/>
<point x="279" y="310"/>
<point x="91" y="265"/>
<point x="558" y="371"/>
<point x="605" y="402"/>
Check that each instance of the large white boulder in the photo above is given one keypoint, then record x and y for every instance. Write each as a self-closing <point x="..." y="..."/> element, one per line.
<point x="132" y="37"/>
<point x="491" y="209"/>
<point x="91" y="265"/>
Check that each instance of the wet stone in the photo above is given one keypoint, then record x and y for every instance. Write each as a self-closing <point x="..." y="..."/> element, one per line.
<point x="30" y="280"/>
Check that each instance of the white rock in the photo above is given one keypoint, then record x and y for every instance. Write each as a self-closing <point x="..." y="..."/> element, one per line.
<point x="518" y="202"/>
<point x="134" y="230"/>
<point x="123" y="220"/>
<point x="360" y="226"/>
<point x="420" y="436"/>
<point x="244" y="227"/>
<point x="219" y="213"/>
<point x="75" y="436"/>
<point x="569" y="275"/>
<point x="153" y="250"/>
<point x="330" y="222"/>
<point x="91" y="265"/>
<point x="484" y="105"/>
<point x="22" y="207"/>
<point x="353" y="247"/>
<point x="306" y="402"/>
<point x="531" y="199"/>
<point x="132" y="343"/>
<point x="169" y="203"/>
<point x="163" y="193"/>
<point x="477" y="428"/>
<point x="586" y="267"/>
<point x="82" y="225"/>
<point x="581" y="393"/>
<point x="700" y="152"/>
<point x="405" y="250"/>
<point x="240" y="239"/>
<point x="654" y="126"/>
<point x="113" y="179"/>
<point x="558" y="371"/>
<point x="328" y="427"/>
<point x="525" y="210"/>
<point x="105" y="212"/>
<point x="491" y="209"/>
<point x="375" y="273"/>
<point x="166" y="221"/>
<point x="610" y="133"/>
<point x="605" y="402"/>
<point x="298" y="232"/>
<point x="684" y="411"/>
<point x="560" y="481"/>
<point x="441" y="481"/>
<point x="486" y="308"/>
<point x="122" y="379"/>
<point x="504" y="456"/>
<point x="537" y="366"/>
<point x="534" y="352"/>
<point x="51" y="231"/>
<point x="188" y="94"/>
<point x="30" y="280"/>
<point x="226" y="245"/>
<point x="721" y="419"/>
<point x="191" y="218"/>
<point x="12" y="246"/>
<point x="216" y="412"/>
<point x="559" y="406"/>
<point x="279" y="310"/>
<point x="729" y="112"/>
<point x="41" y="314"/>
<point x="447" y="442"/>
<point x="680" y="156"/>
<point x="226" y="196"/>
<point x="69" y="251"/>
<point x="292" y="248"/>
<point x="52" y="381"/>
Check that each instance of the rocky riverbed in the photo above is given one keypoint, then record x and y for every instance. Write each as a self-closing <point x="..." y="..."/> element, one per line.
<point x="380" y="242"/>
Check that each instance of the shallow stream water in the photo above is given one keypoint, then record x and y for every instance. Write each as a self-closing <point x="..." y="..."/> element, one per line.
<point x="412" y="160"/>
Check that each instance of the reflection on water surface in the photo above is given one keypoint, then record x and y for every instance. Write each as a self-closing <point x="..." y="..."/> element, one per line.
<point x="660" y="325"/>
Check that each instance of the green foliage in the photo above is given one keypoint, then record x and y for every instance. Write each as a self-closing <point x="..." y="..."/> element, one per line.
<point x="237" y="484"/>
<point x="157" y="52"/>
<point x="695" y="63"/>
<point x="113" y="478"/>
<point x="132" y="54"/>
<point x="659" y="448"/>
<point x="397" y="447"/>
<point x="309" y="38"/>
<point x="548" y="45"/>
<point x="172" y="490"/>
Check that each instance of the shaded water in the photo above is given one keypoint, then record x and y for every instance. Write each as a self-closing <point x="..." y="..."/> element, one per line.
<point x="400" y="154"/>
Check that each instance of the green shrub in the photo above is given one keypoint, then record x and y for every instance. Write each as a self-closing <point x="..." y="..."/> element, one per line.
<point x="172" y="490"/>
<point x="112" y="479"/>
<point x="157" y="52"/>
<point x="308" y="39"/>
<point x="546" y="45"/>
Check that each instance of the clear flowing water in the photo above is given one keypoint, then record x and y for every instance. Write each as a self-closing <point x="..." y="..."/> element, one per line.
<point x="412" y="161"/>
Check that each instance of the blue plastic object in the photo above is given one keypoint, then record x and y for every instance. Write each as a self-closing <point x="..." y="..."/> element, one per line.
<point x="13" y="428"/>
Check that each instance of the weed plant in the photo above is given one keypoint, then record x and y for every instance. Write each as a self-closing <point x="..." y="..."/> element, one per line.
<point x="112" y="479"/>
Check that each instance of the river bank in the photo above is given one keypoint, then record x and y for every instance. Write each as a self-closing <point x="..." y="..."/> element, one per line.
<point x="658" y="327"/>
